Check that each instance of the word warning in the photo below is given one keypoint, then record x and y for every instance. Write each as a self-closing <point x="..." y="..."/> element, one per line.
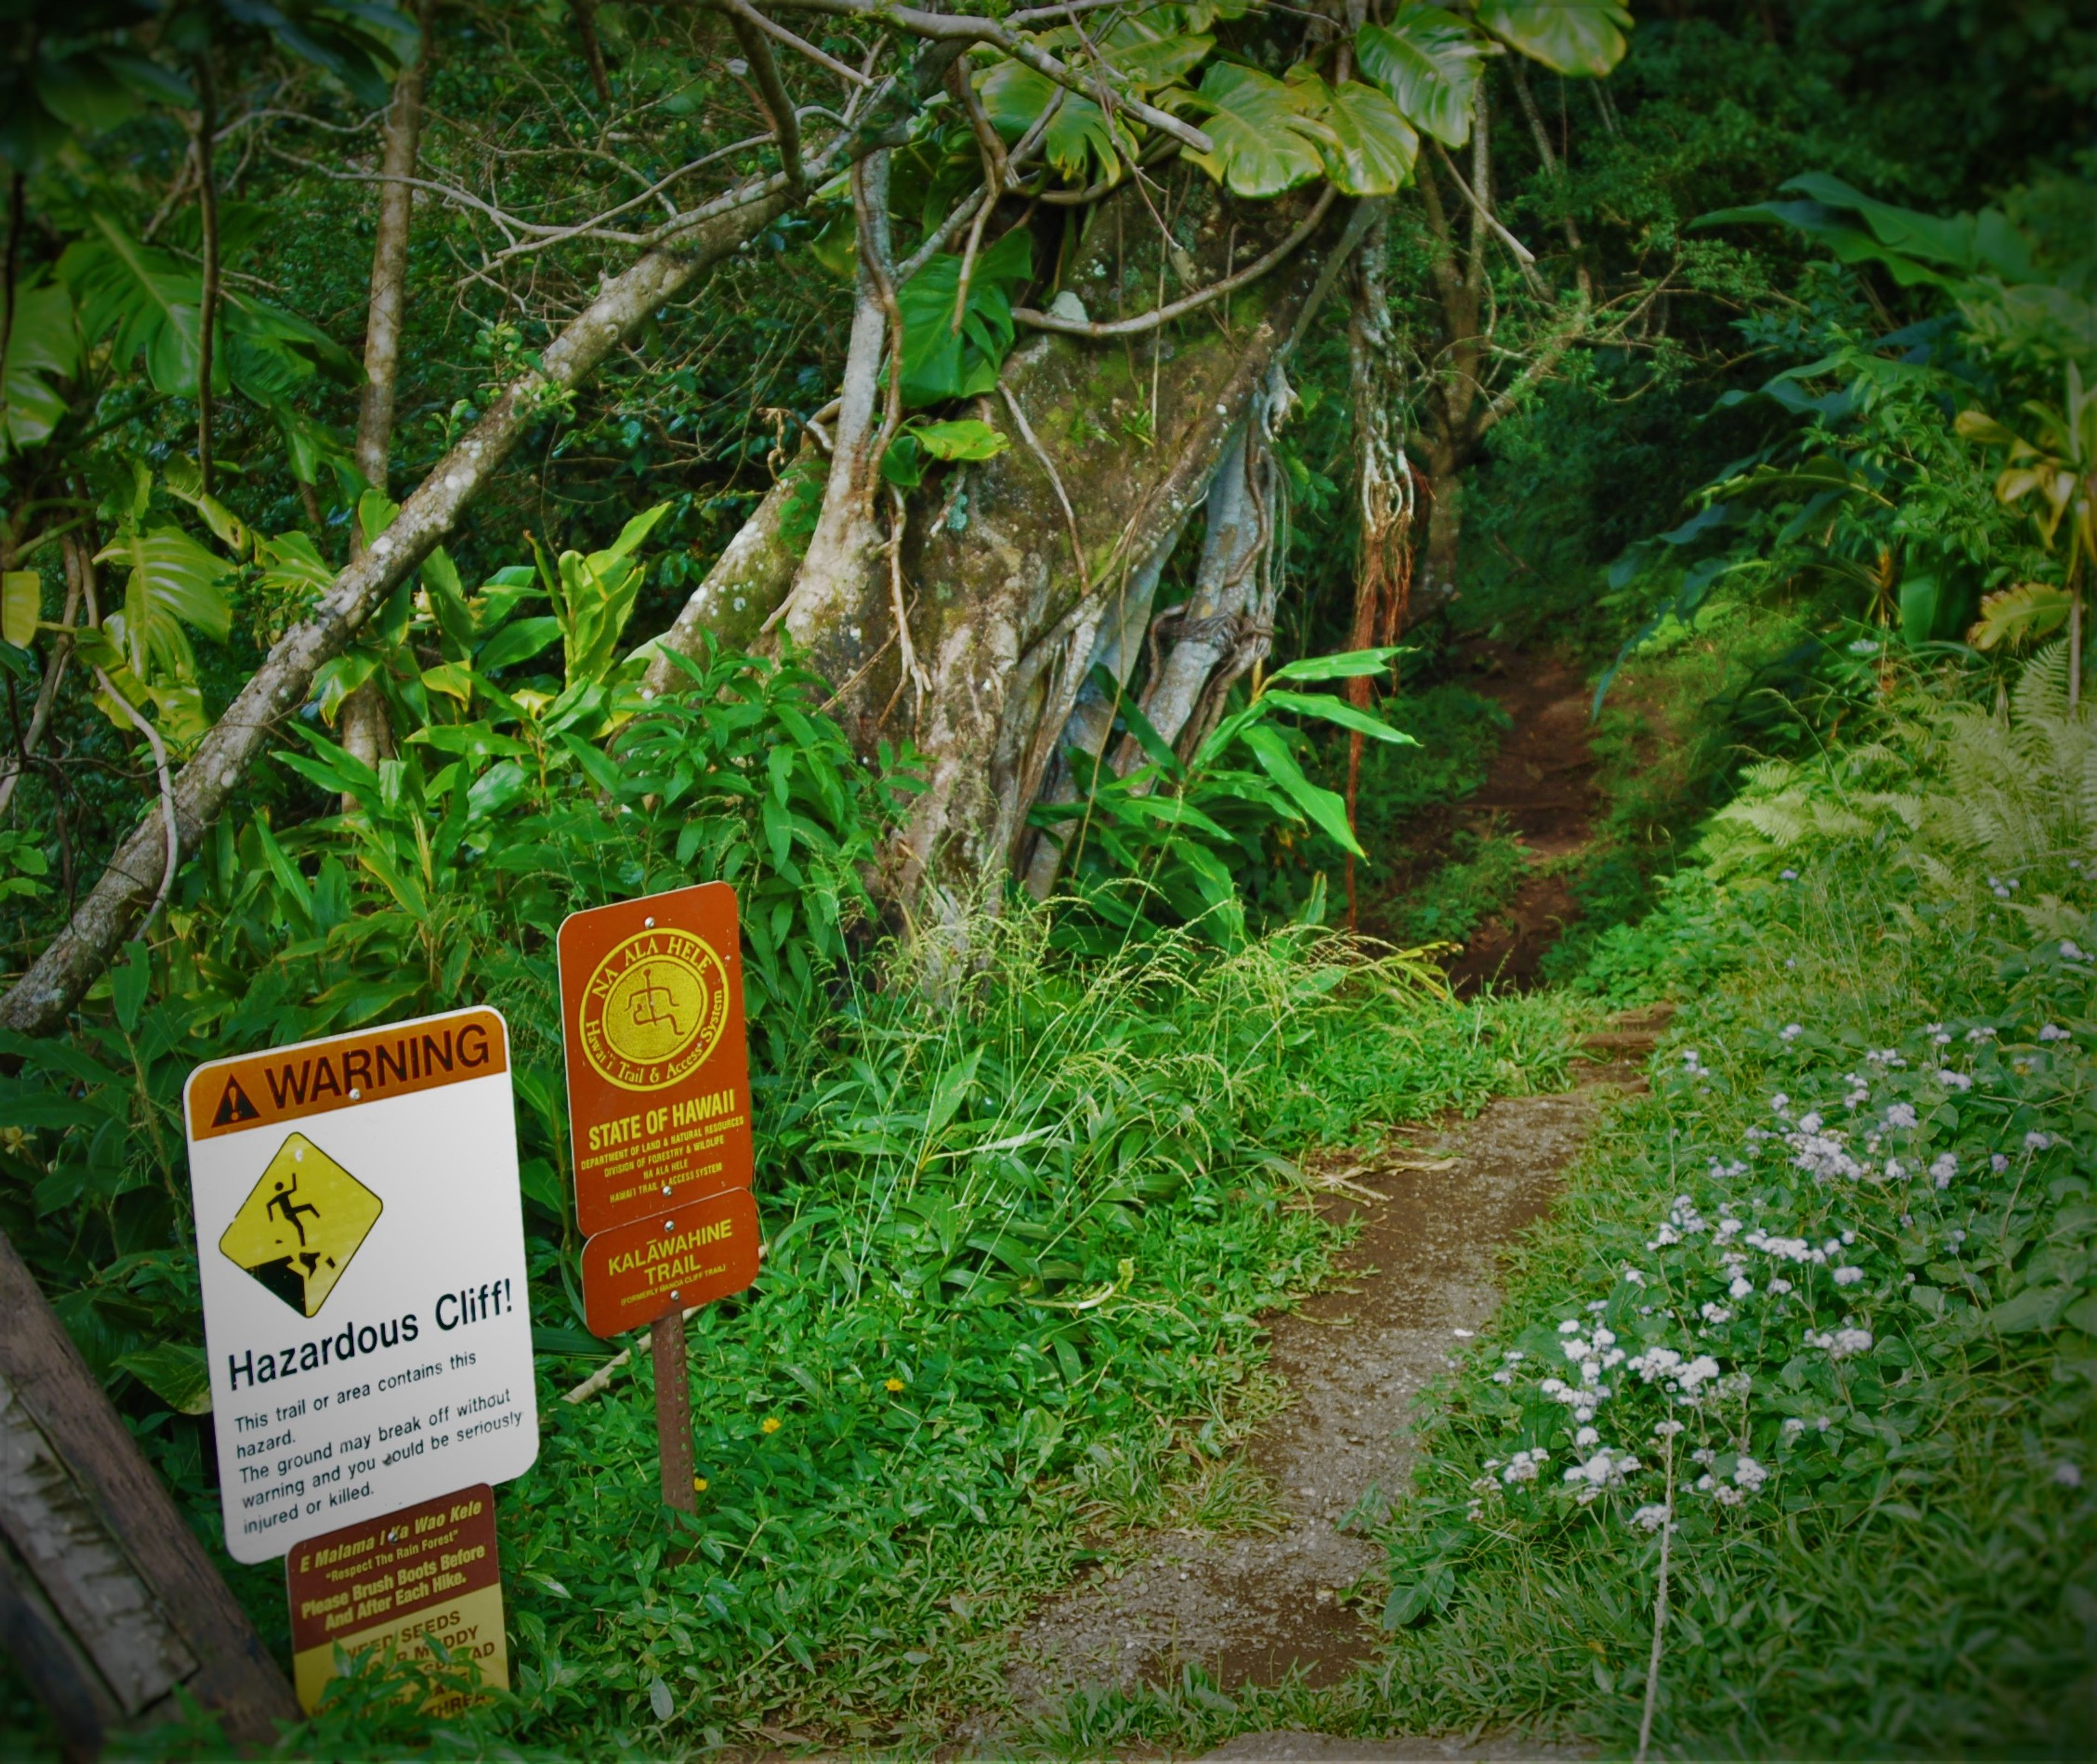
<point x="363" y="1274"/>
<point x="659" y="1066"/>
<point x="427" y="1572"/>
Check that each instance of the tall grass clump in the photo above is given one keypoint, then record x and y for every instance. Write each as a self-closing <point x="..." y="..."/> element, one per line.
<point x="1834" y="1283"/>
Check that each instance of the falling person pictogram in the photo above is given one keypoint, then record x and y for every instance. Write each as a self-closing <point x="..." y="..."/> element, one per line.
<point x="300" y="1224"/>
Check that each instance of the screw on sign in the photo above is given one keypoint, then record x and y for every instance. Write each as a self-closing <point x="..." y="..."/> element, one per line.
<point x="658" y="1122"/>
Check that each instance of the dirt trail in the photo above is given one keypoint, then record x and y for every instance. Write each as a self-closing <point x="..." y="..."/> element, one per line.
<point x="1541" y="788"/>
<point x="1420" y="1279"/>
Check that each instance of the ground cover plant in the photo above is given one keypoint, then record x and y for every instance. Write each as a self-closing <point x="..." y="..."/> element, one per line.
<point x="1818" y="1299"/>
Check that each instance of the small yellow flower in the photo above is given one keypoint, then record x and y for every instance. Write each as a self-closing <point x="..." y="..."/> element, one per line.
<point x="698" y="1485"/>
<point x="771" y="1424"/>
<point x="893" y="1385"/>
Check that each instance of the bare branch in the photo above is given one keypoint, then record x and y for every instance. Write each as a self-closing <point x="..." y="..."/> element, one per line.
<point x="1164" y="315"/>
<point x="750" y="16"/>
<point x="937" y="27"/>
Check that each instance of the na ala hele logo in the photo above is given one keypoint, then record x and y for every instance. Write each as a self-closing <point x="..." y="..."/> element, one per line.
<point x="300" y="1224"/>
<point x="654" y="1008"/>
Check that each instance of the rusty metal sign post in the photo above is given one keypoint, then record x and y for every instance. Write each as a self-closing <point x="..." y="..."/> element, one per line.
<point x="659" y="1124"/>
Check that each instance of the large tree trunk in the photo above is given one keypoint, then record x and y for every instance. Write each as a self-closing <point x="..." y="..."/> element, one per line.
<point x="1010" y="606"/>
<point x="1010" y="620"/>
<point x="1437" y="585"/>
<point x="367" y="730"/>
<point x="1090" y="721"/>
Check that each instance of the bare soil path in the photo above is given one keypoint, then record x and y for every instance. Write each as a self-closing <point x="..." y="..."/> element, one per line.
<point x="1421" y="1277"/>
<point x="1541" y="788"/>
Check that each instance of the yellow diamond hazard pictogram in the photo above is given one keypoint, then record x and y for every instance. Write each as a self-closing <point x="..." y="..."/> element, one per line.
<point x="298" y="1229"/>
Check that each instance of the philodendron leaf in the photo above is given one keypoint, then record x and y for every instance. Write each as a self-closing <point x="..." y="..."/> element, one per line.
<point x="1266" y="141"/>
<point x="1079" y="137"/>
<point x="2018" y="614"/>
<point x="1372" y="145"/>
<point x="1427" y="60"/>
<point x="965" y="438"/>
<point x="42" y="347"/>
<point x="175" y="575"/>
<point x="1571" y="36"/>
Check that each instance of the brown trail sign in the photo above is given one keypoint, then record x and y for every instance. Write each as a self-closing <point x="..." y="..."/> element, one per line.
<point x="659" y="1124"/>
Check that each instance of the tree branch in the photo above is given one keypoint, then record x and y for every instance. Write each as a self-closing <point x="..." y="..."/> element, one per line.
<point x="940" y="26"/>
<point x="39" y="1002"/>
<point x="1163" y="315"/>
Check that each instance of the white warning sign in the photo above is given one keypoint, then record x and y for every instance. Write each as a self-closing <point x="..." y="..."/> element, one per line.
<point x="361" y="1235"/>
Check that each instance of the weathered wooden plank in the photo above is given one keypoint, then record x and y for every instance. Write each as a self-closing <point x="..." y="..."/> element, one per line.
<point x="52" y="1387"/>
<point x="32" y="1636"/>
<point x="82" y="1570"/>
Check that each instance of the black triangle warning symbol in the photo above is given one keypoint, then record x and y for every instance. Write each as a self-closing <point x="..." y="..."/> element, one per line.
<point x="235" y="1106"/>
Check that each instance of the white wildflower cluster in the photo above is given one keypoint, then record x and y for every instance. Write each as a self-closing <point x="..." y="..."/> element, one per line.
<point x="1885" y="1057"/>
<point x="1794" y="1426"/>
<point x="1653" y="1518"/>
<point x="1901" y="1118"/>
<point x="1596" y="1475"/>
<point x="1674" y="1372"/>
<point x="2038" y="1142"/>
<point x="1823" y="1152"/>
<point x="1955" y="1081"/>
<point x="1747" y="1479"/>
<point x="1692" y="1061"/>
<point x="1848" y="1277"/>
<point x="2003" y="887"/>
<point x="1790" y="1032"/>
<point x="1509" y="1359"/>
<point x="1859" y="1092"/>
<point x="1595" y="1355"/>
<point x="2069" y="953"/>
<point x="1683" y="1221"/>
<point x="2052" y="1032"/>
<point x="1523" y="1467"/>
<point x="1840" y="1344"/>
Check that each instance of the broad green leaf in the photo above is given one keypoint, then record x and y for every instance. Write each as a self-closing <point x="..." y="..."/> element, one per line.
<point x="1147" y="57"/>
<point x="1569" y="36"/>
<point x="1342" y="666"/>
<point x="1080" y="143"/>
<point x="1325" y="807"/>
<point x="175" y="576"/>
<point x="939" y="362"/>
<point x="518" y="643"/>
<point x="21" y="605"/>
<point x="142" y="301"/>
<point x="1266" y="142"/>
<point x="292" y="564"/>
<point x="175" y="1372"/>
<point x="965" y="438"/>
<point x="2019" y="615"/>
<point x="42" y="347"/>
<point x="1373" y="146"/>
<point x="1337" y="710"/>
<point x="1427" y="59"/>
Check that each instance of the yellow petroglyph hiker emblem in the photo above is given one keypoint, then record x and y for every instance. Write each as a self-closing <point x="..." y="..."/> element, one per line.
<point x="300" y="1224"/>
